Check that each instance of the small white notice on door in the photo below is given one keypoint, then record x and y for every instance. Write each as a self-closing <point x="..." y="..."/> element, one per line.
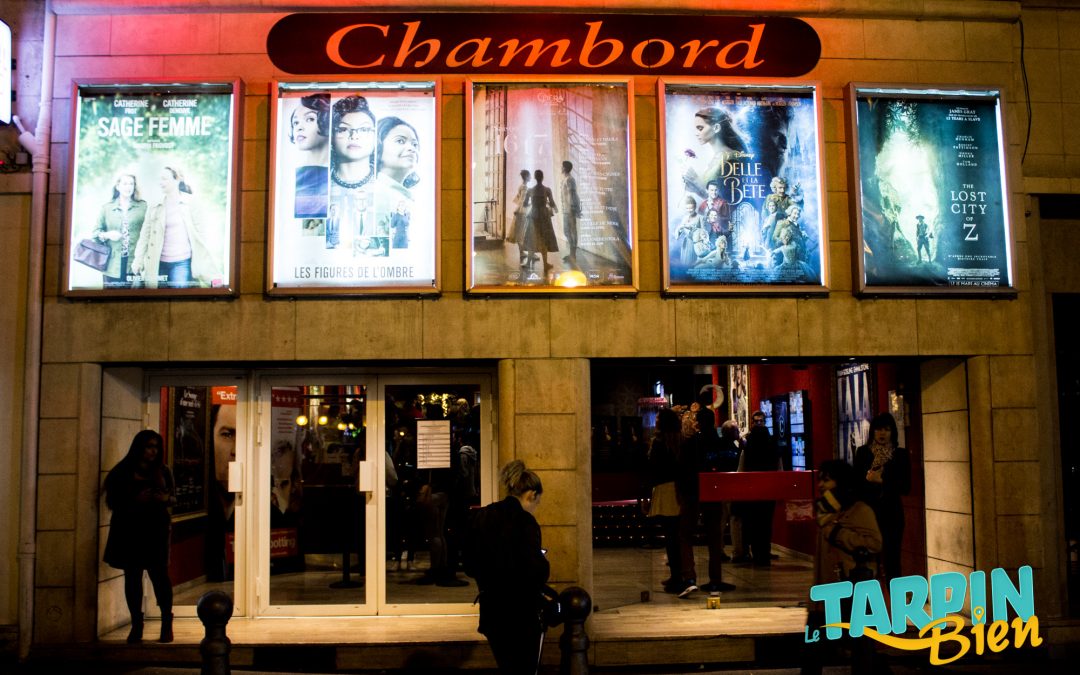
<point x="433" y="444"/>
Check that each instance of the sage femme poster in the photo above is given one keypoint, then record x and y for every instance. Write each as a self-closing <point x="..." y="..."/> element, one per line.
<point x="931" y="179"/>
<point x="549" y="187"/>
<point x="743" y="193"/>
<point x="355" y="189"/>
<point x="152" y="178"/>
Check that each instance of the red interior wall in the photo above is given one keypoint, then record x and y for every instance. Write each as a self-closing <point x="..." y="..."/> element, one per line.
<point x="768" y="380"/>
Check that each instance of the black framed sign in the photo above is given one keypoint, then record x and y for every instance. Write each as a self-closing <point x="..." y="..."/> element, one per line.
<point x="930" y="195"/>
<point x="355" y="188"/>
<point x="549" y="187"/>
<point x="743" y="202"/>
<point x="152" y="192"/>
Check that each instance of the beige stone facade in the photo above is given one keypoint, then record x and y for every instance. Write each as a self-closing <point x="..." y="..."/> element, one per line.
<point x="989" y="428"/>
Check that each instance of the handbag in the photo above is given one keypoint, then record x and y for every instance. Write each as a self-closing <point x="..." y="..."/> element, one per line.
<point x="93" y="254"/>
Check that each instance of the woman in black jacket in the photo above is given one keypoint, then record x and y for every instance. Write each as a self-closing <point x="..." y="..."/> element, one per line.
<point x="884" y="472"/>
<point x="140" y="490"/>
<point x="508" y="563"/>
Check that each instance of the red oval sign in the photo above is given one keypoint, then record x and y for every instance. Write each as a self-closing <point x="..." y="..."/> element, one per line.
<point x="544" y="44"/>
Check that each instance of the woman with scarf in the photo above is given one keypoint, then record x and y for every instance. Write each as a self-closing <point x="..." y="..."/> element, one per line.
<point x="884" y="471"/>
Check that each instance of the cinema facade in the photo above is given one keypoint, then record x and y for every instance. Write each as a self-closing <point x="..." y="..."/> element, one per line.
<point x="344" y="293"/>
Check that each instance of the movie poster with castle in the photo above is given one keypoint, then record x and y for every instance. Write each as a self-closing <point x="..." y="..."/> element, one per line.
<point x="152" y="192"/>
<point x="932" y="203"/>
<point x="742" y="203"/>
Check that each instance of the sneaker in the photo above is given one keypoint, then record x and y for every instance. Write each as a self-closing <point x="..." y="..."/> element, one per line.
<point x="688" y="588"/>
<point x="721" y="587"/>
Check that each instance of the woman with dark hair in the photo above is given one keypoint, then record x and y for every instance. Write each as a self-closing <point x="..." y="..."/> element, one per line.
<point x="309" y="131"/>
<point x="884" y="473"/>
<point x="714" y="128"/>
<point x="352" y="159"/>
<point x="664" y="504"/>
<point x="540" y="207"/>
<point x="172" y="246"/>
<point x="139" y="491"/>
<point x="505" y="557"/>
<point x="118" y="225"/>
<point x="397" y="152"/>
<point x="352" y="172"/>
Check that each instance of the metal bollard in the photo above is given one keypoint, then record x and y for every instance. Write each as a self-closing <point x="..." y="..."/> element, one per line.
<point x="215" y="608"/>
<point x="574" y="643"/>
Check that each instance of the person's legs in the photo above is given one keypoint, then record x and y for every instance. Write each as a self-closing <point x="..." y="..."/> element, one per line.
<point x="159" y="578"/>
<point x="133" y="596"/>
<point x="670" y="524"/>
<point x="178" y="274"/>
<point x="688" y="514"/>
<point x="516" y="651"/>
<point x="713" y="515"/>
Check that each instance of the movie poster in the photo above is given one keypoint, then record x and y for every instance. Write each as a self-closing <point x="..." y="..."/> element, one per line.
<point x="186" y="440"/>
<point x="355" y="189"/>
<point x="739" y="398"/>
<point x="931" y="182"/>
<point x="152" y="177"/>
<point x="742" y="188"/>
<point x="549" y="191"/>
<point x="854" y="393"/>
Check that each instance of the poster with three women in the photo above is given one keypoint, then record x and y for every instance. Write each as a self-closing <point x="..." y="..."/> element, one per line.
<point x="152" y="190"/>
<point x="354" y="186"/>
<point x="742" y="188"/>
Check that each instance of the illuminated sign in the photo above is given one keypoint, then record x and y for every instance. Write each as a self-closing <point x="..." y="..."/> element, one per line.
<point x="930" y="191"/>
<point x="153" y="174"/>
<point x="5" y="73"/>
<point x="355" y="199"/>
<point x="553" y="43"/>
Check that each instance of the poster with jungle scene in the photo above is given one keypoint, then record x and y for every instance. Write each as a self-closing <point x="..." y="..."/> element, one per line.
<point x="931" y="190"/>
<point x="742" y="199"/>
<point x="152" y="190"/>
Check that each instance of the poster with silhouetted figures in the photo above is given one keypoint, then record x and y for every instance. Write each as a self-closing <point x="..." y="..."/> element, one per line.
<point x="930" y="190"/>
<point x="355" y="188"/>
<point x="742" y="202"/>
<point x="152" y="190"/>
<point x="549" y="193"/>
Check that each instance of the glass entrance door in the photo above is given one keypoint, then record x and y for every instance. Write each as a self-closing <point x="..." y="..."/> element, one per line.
<point x="363" y="486"/>
<point x="436" y="450"/>
<point x="202" y="420"/>
<point x="317" y="505"/>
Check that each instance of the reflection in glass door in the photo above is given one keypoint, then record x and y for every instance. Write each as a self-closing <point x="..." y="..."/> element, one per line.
<point x="313" y="454"/>
<point x="201" y="422"/>
<point x="433" y="477"/>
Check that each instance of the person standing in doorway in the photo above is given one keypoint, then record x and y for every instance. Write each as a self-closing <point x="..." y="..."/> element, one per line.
<point x="760" y="454"/>
<point x="884" y="473"/>
<point x="139" y="491"/>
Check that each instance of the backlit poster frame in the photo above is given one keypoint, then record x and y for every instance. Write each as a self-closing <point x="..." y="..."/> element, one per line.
<point x="145" y="154"/>
<point x="929" y="169"/>
<point x="579" y="134"/>
<point x="378" y="234"/>
<point x="762" y="229"/>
